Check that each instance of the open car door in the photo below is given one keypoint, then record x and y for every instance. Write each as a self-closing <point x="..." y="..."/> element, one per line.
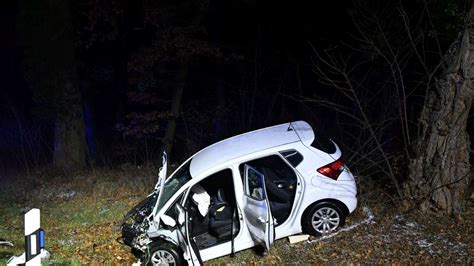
<point x="258" y="216"/>
<point x="186" y="243"/>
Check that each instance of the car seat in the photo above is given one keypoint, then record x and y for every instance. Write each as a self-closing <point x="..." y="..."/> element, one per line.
<point x="280" y="198"/>
<point x="220" y="217"/>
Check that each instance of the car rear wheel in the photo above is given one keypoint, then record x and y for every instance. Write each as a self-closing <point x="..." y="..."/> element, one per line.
<point x="323" y="218"/>
<point x="162" y="253"/>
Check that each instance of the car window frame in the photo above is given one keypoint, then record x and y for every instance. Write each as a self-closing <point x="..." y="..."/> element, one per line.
<point x="246" y="188"/>
<point x="286" y="160"/>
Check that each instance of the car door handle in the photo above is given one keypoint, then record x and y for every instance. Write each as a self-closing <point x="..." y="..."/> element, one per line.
<point x="260" y="219"/>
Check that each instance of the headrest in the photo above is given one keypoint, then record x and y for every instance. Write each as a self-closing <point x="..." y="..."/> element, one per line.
<point x="220" y="195"/>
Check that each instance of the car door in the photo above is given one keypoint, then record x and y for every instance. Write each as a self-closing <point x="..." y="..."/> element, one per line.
<point x="186" y="243"/>
<point x="257" y="208"/>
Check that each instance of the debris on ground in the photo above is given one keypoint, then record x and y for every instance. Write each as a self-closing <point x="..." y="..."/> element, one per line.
<point x="5" y="242"/>
<point x="297" y="238"/>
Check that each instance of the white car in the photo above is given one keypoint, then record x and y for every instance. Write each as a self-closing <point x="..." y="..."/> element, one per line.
<point x="241" y="192"/>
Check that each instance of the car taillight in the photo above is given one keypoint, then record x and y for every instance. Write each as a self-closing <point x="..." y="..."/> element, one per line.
<point x="332" y="170"/>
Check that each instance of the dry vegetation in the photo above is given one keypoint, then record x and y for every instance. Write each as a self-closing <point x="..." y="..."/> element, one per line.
<point x="79" y="214"/>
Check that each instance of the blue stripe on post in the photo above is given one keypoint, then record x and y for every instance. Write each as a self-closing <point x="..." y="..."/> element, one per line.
<point x="41" y="237"/>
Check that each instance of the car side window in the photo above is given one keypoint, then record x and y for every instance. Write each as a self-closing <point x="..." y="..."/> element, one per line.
<point x="273" y="168"/>
<point x="172" y="212"/>
<point x="280" y="184"/>
<point x="255" y="185"/>
<point x="293" y="157"/>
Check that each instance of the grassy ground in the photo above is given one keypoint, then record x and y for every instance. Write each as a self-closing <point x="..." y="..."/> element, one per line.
<point x="79" y="213"/>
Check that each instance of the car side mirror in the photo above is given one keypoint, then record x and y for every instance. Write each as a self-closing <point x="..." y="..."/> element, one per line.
<point x="167" y="220"/>
<point x="181" y="214"/>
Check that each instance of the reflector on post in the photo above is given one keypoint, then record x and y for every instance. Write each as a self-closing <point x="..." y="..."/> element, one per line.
<point x="41" y="239"/>
<point x="34" y="241"/>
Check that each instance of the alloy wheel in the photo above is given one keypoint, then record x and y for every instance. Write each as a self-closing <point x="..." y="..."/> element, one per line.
<point x="162" y="257"/>
<point x="325" y="220"/>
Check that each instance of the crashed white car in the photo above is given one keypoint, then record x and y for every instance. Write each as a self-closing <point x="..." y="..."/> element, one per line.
<point x="241" y="192"/>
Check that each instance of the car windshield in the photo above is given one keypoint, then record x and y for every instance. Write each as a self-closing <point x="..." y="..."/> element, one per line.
<point x="173" y="184"/>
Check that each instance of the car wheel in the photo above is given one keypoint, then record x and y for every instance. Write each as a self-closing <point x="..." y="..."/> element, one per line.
<point x="162" y="253"/>
<point x="323" y="218"/>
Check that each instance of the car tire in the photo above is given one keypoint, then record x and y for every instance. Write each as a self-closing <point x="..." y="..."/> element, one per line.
<point x="323" y="218"/>
<point x="163" y="253"/>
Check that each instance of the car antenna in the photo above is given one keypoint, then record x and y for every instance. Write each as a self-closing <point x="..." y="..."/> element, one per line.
<point x="290" y="127"/>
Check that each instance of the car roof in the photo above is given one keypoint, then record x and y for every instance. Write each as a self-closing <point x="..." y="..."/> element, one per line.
<point x="250" y="142"/>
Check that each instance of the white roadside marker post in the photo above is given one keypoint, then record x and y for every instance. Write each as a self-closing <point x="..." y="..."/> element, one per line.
<point x="34" y="237"/>
<point x="34" y="242"/>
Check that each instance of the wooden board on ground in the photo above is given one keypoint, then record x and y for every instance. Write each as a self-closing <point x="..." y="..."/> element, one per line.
<point x="297" y="238"/>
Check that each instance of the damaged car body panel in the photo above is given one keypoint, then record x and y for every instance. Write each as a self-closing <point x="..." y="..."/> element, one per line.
<point x="241" y="192"/>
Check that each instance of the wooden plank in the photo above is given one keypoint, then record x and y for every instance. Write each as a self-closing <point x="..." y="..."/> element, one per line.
<point x="297" y="238"/>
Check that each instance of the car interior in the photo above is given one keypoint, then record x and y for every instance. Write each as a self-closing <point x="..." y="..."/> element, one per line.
<point x="220" y="223"/>
<point x="280" y="183"/>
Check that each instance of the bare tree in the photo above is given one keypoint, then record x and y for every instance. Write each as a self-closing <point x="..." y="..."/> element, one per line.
<point x="368" y="143"/>
<point x="439" y="170"/>
<point x="434" y="144"/>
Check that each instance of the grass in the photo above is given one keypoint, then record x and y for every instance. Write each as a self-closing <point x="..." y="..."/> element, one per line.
<point x="79" y="213"/>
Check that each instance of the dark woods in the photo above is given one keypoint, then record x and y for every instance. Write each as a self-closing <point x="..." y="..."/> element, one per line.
<point x="102" y="83"/>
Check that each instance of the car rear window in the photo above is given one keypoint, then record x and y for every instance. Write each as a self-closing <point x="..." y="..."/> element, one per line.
<point x="293" y="157"/>
<point x="323" y="143"/>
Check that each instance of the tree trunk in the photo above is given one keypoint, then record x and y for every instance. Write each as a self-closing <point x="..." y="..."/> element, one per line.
<point x="219" y="119"/>
<point x="49" y="39"/>
<point x="69" y="129"/>
<point x="439" y="171"/>
<point x="175" y="106"/>
<point x="178" y="93"/>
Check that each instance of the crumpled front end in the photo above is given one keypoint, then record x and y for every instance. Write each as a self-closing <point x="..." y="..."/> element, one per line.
<point x="135" y="224"/>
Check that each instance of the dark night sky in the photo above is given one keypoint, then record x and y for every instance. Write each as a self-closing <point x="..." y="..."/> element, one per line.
<point x="11" y="75"/>
<point x="282" y="30"/>
<point x="284" y="27"/>
<point x="271" y="44"/>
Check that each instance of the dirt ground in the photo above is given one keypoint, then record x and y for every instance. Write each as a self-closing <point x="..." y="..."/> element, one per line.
<point x="79" y="214"/>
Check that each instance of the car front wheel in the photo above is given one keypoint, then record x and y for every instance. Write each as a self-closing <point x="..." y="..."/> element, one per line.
<point x="162" y="253"/>
<point x="323" y="218"/>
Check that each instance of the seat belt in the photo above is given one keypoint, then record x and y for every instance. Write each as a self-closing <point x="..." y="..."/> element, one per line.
<point x="232" y="252"/>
